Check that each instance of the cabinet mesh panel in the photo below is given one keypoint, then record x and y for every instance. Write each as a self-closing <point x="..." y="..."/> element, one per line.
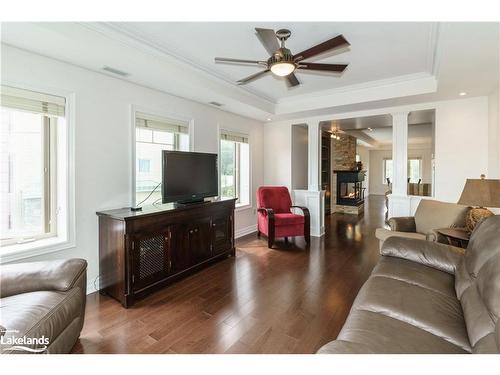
<point x="151" y="256"/>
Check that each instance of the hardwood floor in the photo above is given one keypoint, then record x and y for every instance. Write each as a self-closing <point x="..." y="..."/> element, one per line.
<point x="286" y="300"/>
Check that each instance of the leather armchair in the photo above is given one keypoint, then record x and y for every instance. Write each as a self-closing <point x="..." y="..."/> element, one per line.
<point x="275" y="217"/>
<point x="44" y="301"/>
<point x="429" y="216"/>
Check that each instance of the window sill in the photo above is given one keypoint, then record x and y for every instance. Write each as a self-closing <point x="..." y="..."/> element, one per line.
<point x="16" y="252"/>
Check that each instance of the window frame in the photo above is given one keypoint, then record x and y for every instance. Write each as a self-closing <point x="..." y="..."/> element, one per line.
<point x="238" y="206"/>
<point x="64" y="179"/>
<point x="49" y="186"/>
<point x="134" y="109"/>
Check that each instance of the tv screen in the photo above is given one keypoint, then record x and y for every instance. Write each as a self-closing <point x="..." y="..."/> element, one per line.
<point x="188" y="176"/>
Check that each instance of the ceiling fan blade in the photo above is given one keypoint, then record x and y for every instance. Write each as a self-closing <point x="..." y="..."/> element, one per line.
<point x="238" y="61"/>
<point x="338" y="41"/>
<point x="252" y="77"/>
<point x="323" y="67"/>
<point x="292" y="80"/>
<point x="268" y="38"/>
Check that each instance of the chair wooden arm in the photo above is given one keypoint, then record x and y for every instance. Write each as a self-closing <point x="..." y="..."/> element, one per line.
<point x="307" y="222"/>
<point x="270" y="224"/>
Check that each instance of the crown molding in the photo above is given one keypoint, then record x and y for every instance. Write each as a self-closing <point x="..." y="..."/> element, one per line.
<point x="402" y="86"/>
<point x="126" y="37"/>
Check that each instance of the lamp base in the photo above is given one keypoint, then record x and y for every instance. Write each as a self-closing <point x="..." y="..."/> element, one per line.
<point x="474" y="216"/>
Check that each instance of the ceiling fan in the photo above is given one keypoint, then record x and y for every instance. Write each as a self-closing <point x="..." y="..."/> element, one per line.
<point x="282" y="62"/>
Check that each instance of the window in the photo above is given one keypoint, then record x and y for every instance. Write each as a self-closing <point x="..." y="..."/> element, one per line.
<point x="33" y="184"/>
<point x="154" y="134"/>
<point x="387" y="171"/>
<point x="415" y="170"/>
<point x="144" y="165"/>
<point x="235" y="167"/>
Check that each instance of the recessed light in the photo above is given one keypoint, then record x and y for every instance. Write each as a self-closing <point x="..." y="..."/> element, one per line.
<point x="268" y="119"/>
<point x="370" y="129"/>
<point x="463" y="93"/>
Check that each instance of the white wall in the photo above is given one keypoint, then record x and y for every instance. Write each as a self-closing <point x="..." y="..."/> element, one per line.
<point x="494" y="135"/>
<point x="278" y="154"/>
<point x="299" y="157"/>
<point x="376" y="172"/>
<point x="461" y="145"/>
<point x="103" y="138"/>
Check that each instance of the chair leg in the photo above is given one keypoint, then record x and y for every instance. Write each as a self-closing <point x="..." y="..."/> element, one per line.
<point x="270" y="242"/>
<point x="307" y="237"/>
<point x="258" y="233"/>
<point x="286" y="239"/>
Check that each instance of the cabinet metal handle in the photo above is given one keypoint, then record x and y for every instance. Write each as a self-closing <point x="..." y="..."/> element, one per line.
<point x="196" y="230"/>
<point x="214" y="225"/>
<point x="191" y="231"/>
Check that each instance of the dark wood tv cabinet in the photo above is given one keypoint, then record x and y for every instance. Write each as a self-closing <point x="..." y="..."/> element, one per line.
<point x="142" y="251"/>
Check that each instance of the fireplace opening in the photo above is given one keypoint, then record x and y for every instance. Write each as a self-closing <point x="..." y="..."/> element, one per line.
<point x="350" y="190"/>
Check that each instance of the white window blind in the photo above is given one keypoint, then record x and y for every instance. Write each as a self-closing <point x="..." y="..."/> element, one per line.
<point x="31" y="101"/>
<point x="227" y="135"/>
<point x="143" y="120"/>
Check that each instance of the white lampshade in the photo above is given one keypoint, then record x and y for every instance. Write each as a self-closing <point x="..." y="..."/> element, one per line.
<point x="282" y="69"/>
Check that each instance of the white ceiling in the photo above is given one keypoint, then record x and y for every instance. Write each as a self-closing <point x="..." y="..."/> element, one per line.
<point x="378" y="50"/>
<point x="390" y="63"/>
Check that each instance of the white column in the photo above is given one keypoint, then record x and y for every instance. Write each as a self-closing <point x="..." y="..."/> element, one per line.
<point x="399" y="202"/>
<point x="400" y="153"/>
<point x="314" y="147"/>
<point x="313" y="198"/>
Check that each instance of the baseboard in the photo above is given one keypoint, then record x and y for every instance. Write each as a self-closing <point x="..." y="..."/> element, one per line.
<point x="244" y="231"/>
<point x="91" y="286"/>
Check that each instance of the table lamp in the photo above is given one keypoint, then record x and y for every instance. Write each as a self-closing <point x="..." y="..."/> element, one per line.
<point x="479" y="193"/>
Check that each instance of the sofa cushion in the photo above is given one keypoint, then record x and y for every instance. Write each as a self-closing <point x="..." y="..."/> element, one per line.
<point x="38" y="314"/>
<point x="288" y="219"/>
<point x="423" y="308"/>
<point x="431" y="214"/>
<point x="415" y="273"/>
<point x="373" y="332"/>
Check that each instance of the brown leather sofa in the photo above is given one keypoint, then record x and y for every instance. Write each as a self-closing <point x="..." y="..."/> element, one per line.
<point x="429" y="216"/>
<point x="43" y="301"/>
<point x="426" y="297"/>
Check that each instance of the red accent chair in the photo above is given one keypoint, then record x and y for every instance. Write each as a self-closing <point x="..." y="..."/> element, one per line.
<point x="275" y="218"/>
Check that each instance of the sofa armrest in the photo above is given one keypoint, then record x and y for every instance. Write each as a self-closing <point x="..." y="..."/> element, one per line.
<point x="432" y="254"/>
<point x="402" y="224"/>
<point x="58" y="275"/>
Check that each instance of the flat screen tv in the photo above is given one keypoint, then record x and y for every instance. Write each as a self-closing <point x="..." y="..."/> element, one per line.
<point x="188" y="177"/>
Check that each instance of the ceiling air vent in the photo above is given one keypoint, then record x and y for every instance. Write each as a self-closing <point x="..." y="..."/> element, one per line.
<point x="115" y="71"/>
<point x="217" y="104"/>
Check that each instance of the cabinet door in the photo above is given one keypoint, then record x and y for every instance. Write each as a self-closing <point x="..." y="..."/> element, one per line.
<point x="180" y="252"/>
<point x="221" y="233"/>
<point x="199" y="240"/>
<point x="150" y="259"/>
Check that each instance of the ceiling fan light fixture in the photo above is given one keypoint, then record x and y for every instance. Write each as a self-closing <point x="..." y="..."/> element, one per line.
<point x="282" y="69"/>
